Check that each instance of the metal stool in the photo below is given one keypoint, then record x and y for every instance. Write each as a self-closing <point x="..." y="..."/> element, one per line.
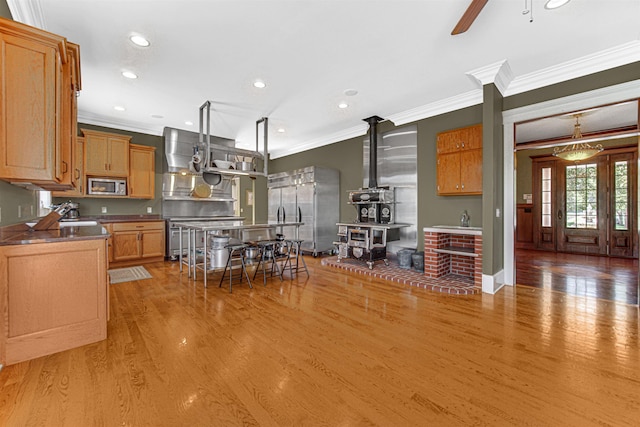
<point x="236" y="252"/>
<point x="268" y="254"/>
<point x="295" y="244"/>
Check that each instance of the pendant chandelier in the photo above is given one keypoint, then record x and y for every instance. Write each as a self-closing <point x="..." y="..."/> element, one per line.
<point x="578" y="150"/>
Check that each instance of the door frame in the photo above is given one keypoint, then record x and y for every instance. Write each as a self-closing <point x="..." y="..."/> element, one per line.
<point x="609" y="95"/>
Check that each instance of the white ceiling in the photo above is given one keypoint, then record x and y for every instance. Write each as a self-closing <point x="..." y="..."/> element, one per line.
<point x="398" y="54"/>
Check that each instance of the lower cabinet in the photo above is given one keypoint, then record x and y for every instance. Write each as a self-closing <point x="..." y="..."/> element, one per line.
<point x="137" y="242"/>
<point x="53" y="297"/>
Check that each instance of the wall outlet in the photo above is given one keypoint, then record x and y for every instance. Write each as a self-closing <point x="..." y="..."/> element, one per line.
<point x="149" y="209"/>
<point x="103" y="209"/>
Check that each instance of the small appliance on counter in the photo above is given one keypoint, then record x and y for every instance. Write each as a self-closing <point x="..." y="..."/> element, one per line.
<point x="72" y="213"/>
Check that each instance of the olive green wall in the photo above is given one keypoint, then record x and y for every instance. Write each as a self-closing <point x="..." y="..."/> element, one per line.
<point x="345" y="156"/>
<point x="11" y="196"/>
<point x="90" y="206"/>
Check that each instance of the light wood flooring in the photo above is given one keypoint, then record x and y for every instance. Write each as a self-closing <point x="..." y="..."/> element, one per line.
<point x="337" y="350"/>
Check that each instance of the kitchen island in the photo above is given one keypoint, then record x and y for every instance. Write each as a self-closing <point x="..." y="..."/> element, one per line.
<point x="237" y="233"/>
<point x="53" y="290"/>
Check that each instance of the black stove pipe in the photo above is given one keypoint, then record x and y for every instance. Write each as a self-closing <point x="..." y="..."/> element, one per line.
<point x="373" y="150"/>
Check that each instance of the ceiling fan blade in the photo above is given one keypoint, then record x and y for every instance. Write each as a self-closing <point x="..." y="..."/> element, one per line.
<point x="469" y="16"/>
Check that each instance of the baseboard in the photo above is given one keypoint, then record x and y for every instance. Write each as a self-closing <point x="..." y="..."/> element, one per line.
<point x="492" y="284"/>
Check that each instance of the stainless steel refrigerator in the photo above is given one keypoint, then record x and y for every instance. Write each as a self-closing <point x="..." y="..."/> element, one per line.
<point x="311" y="196"/>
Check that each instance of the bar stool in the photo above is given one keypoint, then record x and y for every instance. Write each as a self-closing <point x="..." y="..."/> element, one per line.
<point x="268" y="254"/>
<point x="294" y="269"/>
<point x="236" y="252"/>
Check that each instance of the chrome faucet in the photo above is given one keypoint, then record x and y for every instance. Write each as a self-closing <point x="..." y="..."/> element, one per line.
<point x="464" y="219"/>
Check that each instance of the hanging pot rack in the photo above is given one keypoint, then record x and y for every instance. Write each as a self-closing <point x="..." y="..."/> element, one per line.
<point x="209" y="170"/>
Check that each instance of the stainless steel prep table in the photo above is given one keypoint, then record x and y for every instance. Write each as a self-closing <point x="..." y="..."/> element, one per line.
<point x="214" y="228"/>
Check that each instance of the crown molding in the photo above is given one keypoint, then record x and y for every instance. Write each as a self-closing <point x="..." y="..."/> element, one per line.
<point x="28" y="12"/>
<point x="96" y="120"/>
<point x="453" y="103"/>
<point x="605" y="59"/>
<point x="498" y="73"/>
<point x="343" y="135"/>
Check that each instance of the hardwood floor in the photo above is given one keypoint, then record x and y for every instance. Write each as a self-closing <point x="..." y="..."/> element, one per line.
<point x="609" y="278"/>
<point x="336" y="350"/>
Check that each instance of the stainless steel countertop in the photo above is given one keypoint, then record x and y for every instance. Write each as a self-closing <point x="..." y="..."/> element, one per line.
<point x="373" y="225"/>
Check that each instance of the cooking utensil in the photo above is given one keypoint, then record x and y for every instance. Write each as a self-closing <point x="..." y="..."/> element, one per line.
<point x="202" y="191"/>
<point x="223" y="164"/>
<point x="211" y="178"/>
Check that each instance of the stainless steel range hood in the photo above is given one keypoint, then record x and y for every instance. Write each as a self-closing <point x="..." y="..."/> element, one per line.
<point x="179" y="148"/>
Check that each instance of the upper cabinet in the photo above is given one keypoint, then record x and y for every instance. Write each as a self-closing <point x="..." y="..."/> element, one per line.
<point x="459" y="163"/>
<point x="141" y="171"/>
<point x="106" y="154"/>
<point x="40" y="76"/>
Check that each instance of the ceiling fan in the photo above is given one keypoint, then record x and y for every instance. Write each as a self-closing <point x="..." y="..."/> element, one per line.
<point x="469" y="16"/>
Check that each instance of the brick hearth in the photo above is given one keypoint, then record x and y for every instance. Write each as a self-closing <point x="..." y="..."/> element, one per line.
<point x="451" y="284"/>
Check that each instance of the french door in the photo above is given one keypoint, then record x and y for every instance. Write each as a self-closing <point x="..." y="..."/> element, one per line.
<point x="586" y="207"/>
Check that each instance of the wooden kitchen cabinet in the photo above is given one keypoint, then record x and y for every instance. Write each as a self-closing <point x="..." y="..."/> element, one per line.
<point x="459" y="161"/>
<point x="105" y="154"/>
<point x="137" y="242"/>
<point x="36" y="109"/>
<point x="78" y="189"/>
<point x="53" y="297"/>
<point x="142" y="172"/>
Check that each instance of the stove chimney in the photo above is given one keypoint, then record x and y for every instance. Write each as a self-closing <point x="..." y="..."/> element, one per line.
<point x="373" y="149"/>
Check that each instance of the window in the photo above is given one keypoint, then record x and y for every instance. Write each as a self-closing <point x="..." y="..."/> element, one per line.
<point x="582" y="196"/>
<point x="546" y="197"/>
<point x="621" y="194"/>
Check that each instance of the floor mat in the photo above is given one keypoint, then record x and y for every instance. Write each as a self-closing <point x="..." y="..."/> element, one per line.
<point x="119" y="275"/>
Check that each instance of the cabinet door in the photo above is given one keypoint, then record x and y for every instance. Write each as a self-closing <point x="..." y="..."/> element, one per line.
<point x="47" y="305"/>
<point x="448" y="170"/>
<point x="28" y="109"/>
<point x="152" y="243"/>
<point x="471" y="172"/>
<point x="448" y="142"/>
<point x="118" y="156"/>
<point x="471" y="138"/>
<point x="141" y="172"/>
<point x="126" y="245"/>
<point x="95" y="154"/>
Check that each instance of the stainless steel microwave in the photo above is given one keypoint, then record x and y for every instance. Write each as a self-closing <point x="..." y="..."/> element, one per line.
<point x="107" y="186"/>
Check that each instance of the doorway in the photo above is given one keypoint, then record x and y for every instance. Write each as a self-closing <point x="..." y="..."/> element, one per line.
<point x="588" y="206"/>
<point x="605" y="96"/>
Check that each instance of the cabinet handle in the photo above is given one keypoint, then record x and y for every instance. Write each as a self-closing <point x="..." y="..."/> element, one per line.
<point x="457" y="145"/>
<point x="463" y="186"/>
<point x="106" y="166"/>
<point x="65" y="167"/>
<point x="456" y="186"/>
<point x="77" y="173"/>
<point x="463" y="145"/>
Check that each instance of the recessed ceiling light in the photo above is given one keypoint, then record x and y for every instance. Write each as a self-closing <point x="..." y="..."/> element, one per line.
<point x="139" y="40"/>
<point x="350" y="92"/>
<point x="130" y="74"/>
<point x="157" y="116"/>
<point x="554" y="4"/>
<point x="343" y="105"/>
<point x="188" y="123"/>
<point x="259" y="84"/>
<point x="280" y="130"/>
<point x="119" y="108"/>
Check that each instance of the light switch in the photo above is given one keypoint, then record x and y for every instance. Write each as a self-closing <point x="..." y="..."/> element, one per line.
<point x="149" y="209"/>
<point x="104" y="209"/>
